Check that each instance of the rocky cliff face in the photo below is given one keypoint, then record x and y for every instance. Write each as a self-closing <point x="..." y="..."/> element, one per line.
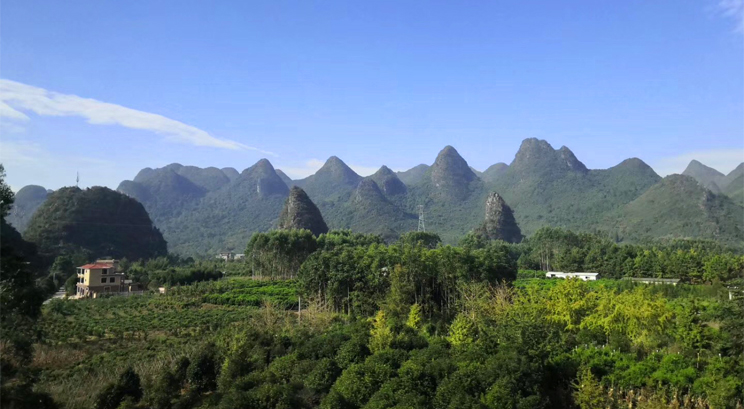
<point x="500" y="223"/>
<point x="300" y="212"/>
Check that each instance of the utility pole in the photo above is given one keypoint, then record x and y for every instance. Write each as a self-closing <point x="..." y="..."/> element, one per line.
<point x="422" y="221"/>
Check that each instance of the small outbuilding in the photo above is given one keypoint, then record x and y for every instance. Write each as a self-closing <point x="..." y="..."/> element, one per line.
<point x="582" y="276"/>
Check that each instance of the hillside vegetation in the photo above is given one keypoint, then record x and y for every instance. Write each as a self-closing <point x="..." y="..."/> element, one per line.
<point x="204" y="211"/>
<point x="98" y="221"/>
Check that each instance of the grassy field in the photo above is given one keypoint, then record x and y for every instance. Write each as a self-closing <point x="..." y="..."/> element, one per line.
<point x="86" y="343"/>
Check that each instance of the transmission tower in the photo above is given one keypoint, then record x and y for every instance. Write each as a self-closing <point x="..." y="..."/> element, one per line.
<point x="422" y="221"/>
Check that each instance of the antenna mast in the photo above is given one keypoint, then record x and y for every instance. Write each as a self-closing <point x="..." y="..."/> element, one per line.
<point x="77" y="179"/>
<point x="422" y="221"/>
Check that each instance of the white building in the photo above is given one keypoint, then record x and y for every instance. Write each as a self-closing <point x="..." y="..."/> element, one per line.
<point x="583" y="276"/>
<point x="651" y="280"/>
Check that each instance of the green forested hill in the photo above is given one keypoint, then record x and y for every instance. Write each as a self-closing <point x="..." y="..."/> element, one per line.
<point x="678" y="207"/>
<point x="98" y="221"/>
<point x="27" y="200"/>
<point x="545" y="186"/>
<point x="226" y="218"/>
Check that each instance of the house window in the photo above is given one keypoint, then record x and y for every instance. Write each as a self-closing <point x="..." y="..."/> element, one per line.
<point x="103" y="280"/>
<point x="104" y="271"/>
<point x="112" y="280"/>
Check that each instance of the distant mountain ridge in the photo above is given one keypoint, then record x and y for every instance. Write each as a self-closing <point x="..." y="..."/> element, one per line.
<point x="202" y="211"/>
<point x="27" y="200"/>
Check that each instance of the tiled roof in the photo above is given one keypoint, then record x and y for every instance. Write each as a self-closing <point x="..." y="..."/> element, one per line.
<point x="97" y="265"/>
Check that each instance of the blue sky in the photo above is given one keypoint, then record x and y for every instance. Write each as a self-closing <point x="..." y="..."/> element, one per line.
<point x="107" y="88"/>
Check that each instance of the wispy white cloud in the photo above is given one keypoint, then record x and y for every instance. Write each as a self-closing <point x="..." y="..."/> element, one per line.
<point x="16" y="97"/>
<point x="311" y="166"/>
<point x="733" y="9"/>
<point x="723" y="160"/>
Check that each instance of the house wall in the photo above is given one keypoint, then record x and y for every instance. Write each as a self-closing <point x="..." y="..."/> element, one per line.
<point x="91" y="279"/>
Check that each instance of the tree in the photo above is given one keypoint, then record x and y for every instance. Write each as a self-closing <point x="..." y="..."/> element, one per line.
<point x="6" y="194"/>
<point x="113" y="394"/>
<point x="420" y="238"/>
<point x="589" y="393"/>
<point x="380" y="335"/>
<point x="129" y="382"/>
<point x="20" y="301"/>
<point x="202" y="373"/>
<point x="462" y="331"/>
<point x="414" y="317"/>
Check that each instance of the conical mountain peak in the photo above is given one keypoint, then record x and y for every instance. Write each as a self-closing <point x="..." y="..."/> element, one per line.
<point x="450" y="166"/>
<point x="500" y="223"/>
<point x="300" y="212"/>
<point x="262" y="178"/>
<point x="449" y="155"/>
<point x="696" y="168"/>
<point x="368" y="191"/>
<point x="538" y="158"/>
<point x="333" y="176"/>
<point x="634" y="163"/>
<point x="451" y="175"/>
<point x="384" y="171"/>
<point x="264" y="164"/>
<point x="335" y="164"/>
<point x="388" y="182"/>
<point x="705" y="175"/>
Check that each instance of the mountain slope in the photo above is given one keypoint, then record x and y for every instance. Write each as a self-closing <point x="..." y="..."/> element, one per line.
<point x="494" y="172"/>
<point x="99" y="221"/>
<point x="231" y="173"/>
<point x="552" y="187"/>
<point x="679" y="207"/>
<point x="209" y="179"/>
<point x="735" y="190"/>
<point x="543" y="186"/>
<point x="724" y="182"/>
<point x="287" y="181"/>
<point x="368" y="210"/>
<point x="413" y="175"/>
<point x="225" y="219"/>
<point x="27" y="200"/>
<point x="705" y="175"/>
<point x="333" y="180"/>
<point x="450" y="177"/>
<point x="388" y="182"/>
<point x="163" y="192"/>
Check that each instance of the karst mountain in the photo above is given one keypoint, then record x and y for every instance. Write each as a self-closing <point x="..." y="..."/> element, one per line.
<point x="206" y="210"/>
